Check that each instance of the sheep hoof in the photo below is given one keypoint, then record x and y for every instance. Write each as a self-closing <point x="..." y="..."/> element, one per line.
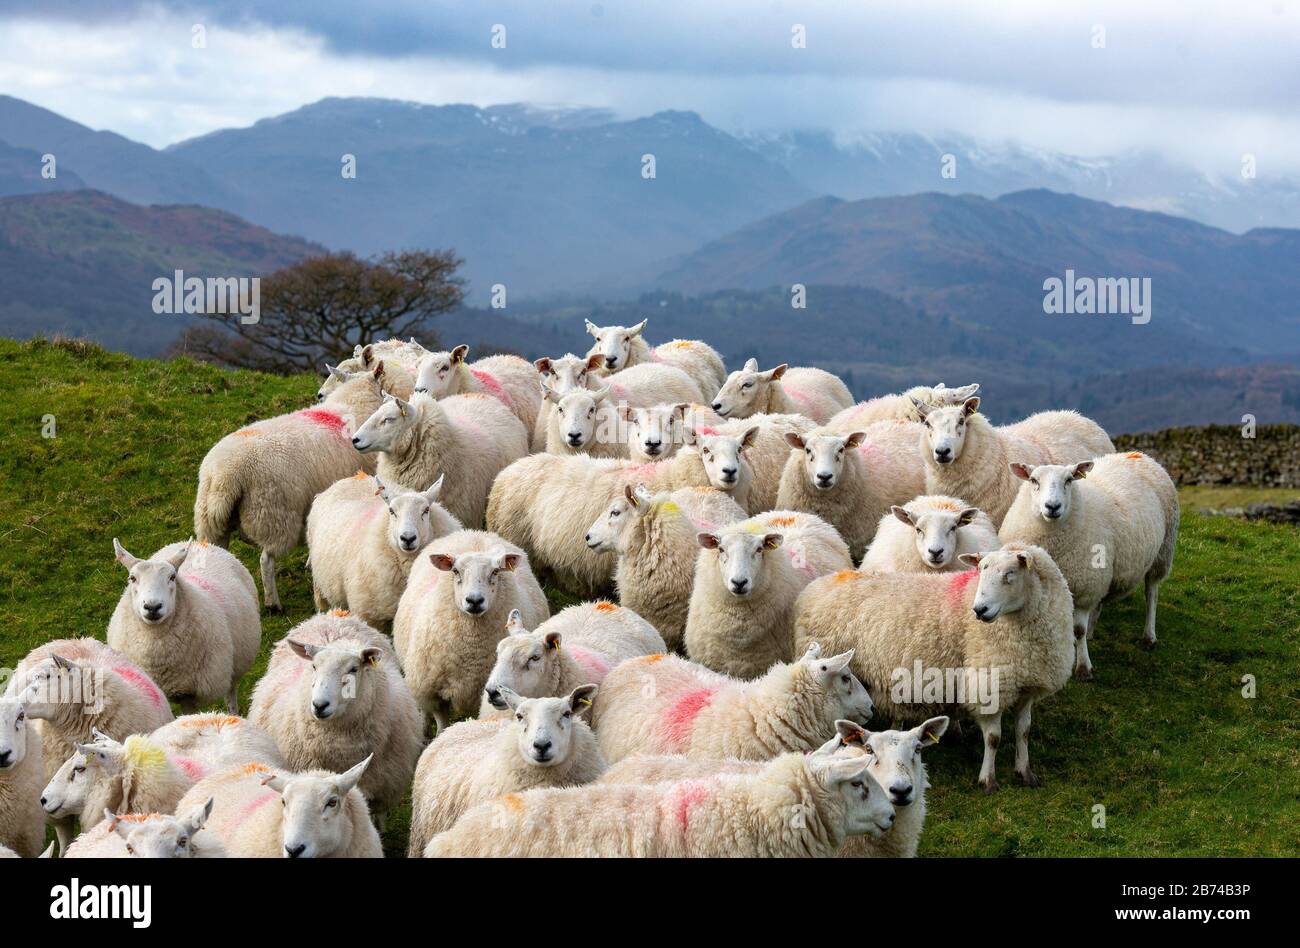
<point x="1083" y="674"/>
<point x="990" y="785"/>
<point x="275" y="609"/>
<point x="1147" y="645"/>
<point x="1028" y="777"/>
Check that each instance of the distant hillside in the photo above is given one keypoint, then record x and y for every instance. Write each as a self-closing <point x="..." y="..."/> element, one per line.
<point x="20" y="173"/>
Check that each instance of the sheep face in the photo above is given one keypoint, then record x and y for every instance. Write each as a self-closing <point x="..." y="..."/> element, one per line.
<point x="741" y="558"/>
<point x="105" y="758"/>
<point x="867" y="810"/>
<point x="1003" y="581"/>
<point x="151" y="584"/>
<point x="410" y="525"/>
<point x="161" y="837"/>
<point x="745" y="391"/>
<point x="614" y="343"/>
<point x="945" y="428"/>
<point x="544" y="726"/>
<point x="383" y="430"/>
<point x="895" y="756"/>
<point x="315" y="823"/>
<point x="720" y="455"/>
<point x="65" y="795"/>
<point x="475" y="577"/>
<point x="823" y="455"/>
<point x="652" y="433"/>
<point x="13" y="732"/>
<point x="340" y="671"/>
<point x="435" y="373"/>
<point x="577" y="415"/>
<point x="54" y="684"/>
<point x="846" y="696"/>
<point x="568" y="372"/>
<point x="528" y="664"/>
<point x="936" y="532"/>
<point x="608" y="532"/>
<point x="1052" y="486"/>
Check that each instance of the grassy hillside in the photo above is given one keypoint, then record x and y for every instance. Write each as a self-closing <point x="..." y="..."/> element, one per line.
<point x="1182" y="763"/>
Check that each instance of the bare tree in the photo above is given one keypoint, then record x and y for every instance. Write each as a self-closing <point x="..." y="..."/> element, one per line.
<point x="322" y="307"/>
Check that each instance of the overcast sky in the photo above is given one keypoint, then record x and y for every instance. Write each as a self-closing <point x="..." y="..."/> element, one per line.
<point x="1200" y="82"/>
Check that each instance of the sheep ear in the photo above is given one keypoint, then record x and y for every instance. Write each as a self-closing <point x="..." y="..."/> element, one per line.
<point x="772" y="541"/>
<point x="630" y="493"/>
<point x="1082" y="469"/>
<point x="61" y="662"/>
<point x="1022" y="471"/>
<point x="595" y="361"/>
<point x="305" y="650"/>
<point x="435" y="489"/>
<point x="346" y="781"/>
<point x="123" y="557"/>
<point x="626" y="412"/>
<point x="643" y="494"/>
<point x="515" y="623"/>
<point x="844" y="769"/>
<point x="581" y="698"/>
<point x="680" y="410"/>
<point x="593" y="330"/>
<point x="929" y="732"/>
<point x="370" y="656"/>
<point x="749" y="437"/>
<point x="367" y="354"/>
<point x="443" y="561"/>
<point x="795" y="440"/>
<point x="378" y="374"/>
<point x="600" y="394"/>
<point x="708" y="541"/>
<point x="854" y="735"/>
<point x="837" y="663"/>
<point x="1025" y="559"/>
<point x="336" y="372"/>
<point x="459" y="353"/>
<point x="902" y="514"/>
<point x="813" y="652"/>
<point x="962" y="393"/>
<point x="508" y="561"/>
<point x="275" y="782"/>
<point x="548" y="393"/>
<point x="100" y="736"/>
<point x="552" y="641"/>
<point x="751" y="365"/>
<point x="510" y="697"/>
<point x="689" y="436"/>
<point x="855" y="439"/>
<point x="49" y="852"/>
<point x="971" y="405"/>
<point x="922" y="409"/>
<point x="117" y="825"/>
<point x="403" y="407"/>
<point x="967" y="516"/>
<point x="970" y="559"/>
<point x="638" y="328"/>
<point x="775" y="374"/>
<point x="543" y="365"/>
<point x="381" y="490"/>
<point x="199" y="815"/>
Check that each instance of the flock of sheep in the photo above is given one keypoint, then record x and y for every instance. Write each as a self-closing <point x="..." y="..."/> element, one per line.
<point x="718" y="705"/>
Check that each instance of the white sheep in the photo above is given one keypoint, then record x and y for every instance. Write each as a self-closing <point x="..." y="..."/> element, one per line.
<point x="507" y="378"/>
<point x="468" y="439"/>
<point x="452" y="614"/>
<point x="796" y="805"/>
<point x="362" y="537"/>
<point x="22" y="772"/>
<point x="263" y="813"/>
<point x="814" y="393"/>
<point x="189" y="617"/>
<point x="576" y="646"/>
<point x="622" y="347"/>
<point x="929" y="533"/>
<point x="654" y="537"/>
<point x="202" y="744"/>
<point x="967" y="457"/>
<point x="851" y="480"/>
<point x="545" y="502"/>
<point x="74" y="687"/>
<point x="654" y="433"/>
<point x="562" y="376"/>
<point x="259" y="481"/>
<point x="403" y="359"/>
<point x="1110" y="524"/>
<point x="149" y="836"/>
<point x="333" y="693"/>
<point x="767" y="451"/>
<point x="977" y="642"/>
<point x="747" y="578"/>
<point x="663" y="704"/>
<point x="132" y="776"/>
<point x="899" y="407"/>
<point x="593" y="421"/>
<point x="543" y="743"/>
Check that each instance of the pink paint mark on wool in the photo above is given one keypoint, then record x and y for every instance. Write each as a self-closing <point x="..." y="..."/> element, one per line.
<point x="680" y="719"/>
<point x="493" y="387"/>
<point x="799" y="396"/>
<point x="869" y="451"/>
<point x="256" y="804"/>
<point x="209" y="587"/>
<point x="642" y="471"/>
<point x="325" y="419"/>
<point x="593" y="666"/>
<point x="706" y="431"/>
<point x="689" y="794"/>
<point x="193" y="769"/>
<point x="142" y="684"/>
<point x="957" y="586"/>
<point x="618" y="391"/>
<point x="369" y="512"/>
<point x="705" y="526"/>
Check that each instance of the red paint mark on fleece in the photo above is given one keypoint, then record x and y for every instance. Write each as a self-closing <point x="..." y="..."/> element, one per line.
<point x="256" y="804"/>
<point x="801" y="397"/>
<point x="142" y="684"/>
<point x="957" y="586"/>
<point x="689" y="794"/>
<point x="326" y="419"/>
<point x="869" y="451"/>
<point x="493" y="387"/>
<point x="680" y="719"/>
<point x="706" y="431"/>
<point x="206" y="585"/>
<point x="193" y="769"/>
<point x="593" y="666"/>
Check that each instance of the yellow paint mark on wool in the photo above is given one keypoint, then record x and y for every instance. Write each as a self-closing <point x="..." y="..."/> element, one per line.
<point x="143" y="754"/>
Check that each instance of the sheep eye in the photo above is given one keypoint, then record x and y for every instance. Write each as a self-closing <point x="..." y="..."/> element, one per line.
<point x="129" y="849"/>
<point x="352" y="670"/>
<point x="567" y="714"/>
<point x="519" y="717"/>
<point x="856" y="783"/>
<point x="919" y="531"/>
<point x="333" y="802"/>
<point x="79" y="770"/>
<point x="392" y="512"/>
<point x="613" y="513"/>
<point x="180" y="843"/>
<point x="130" y="579"/>
<point x="845" y="679"/>
<point x="425" y="513"/>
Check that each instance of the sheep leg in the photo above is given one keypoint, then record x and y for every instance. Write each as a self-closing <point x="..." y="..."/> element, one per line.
<point x="232" y="699"/>
<point x="1023" y="715"/>
<point x="991" y="728"/>
<point x="321" y="604"/>
<point x="1153" y="593"/>
<point x="63" y="833"/>
<point x="1082" y="663"/>
<point x="1092" y="619"/>
<point x="270" y="595"/>
<point x="441" y="716"/>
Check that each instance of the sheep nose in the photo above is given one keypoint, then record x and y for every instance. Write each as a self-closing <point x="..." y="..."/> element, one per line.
<point x="419" y="390"/>
<point x="653" y="444"/>
<point x="739" y="585"/>
<point x="541" y="746"/>
<point x="611" y="361"/>
<point x="1052" y="506"/>
<point x="474" y="603"/>
<point x="494" y="698"/>
<point x="295" y="851"/>
<point x="356" y="440"/>
<point x="717" y="406"/>
<point x="890" y="819"/>
<point x="408" y="539"/>
<point x="320" y="707"/>
<point x="900" y="791"/>
<point x="4" y="758"/>
<point x="728" y="472"/>
<point x="824" y="478"/>
<point x="153" y="608"/>
<point x="981" y="609"/>
<point x="942" y="453"/>
<point x="935" y="555"/>
<point x="575" y="437"/>
<point x="44" y="801"/>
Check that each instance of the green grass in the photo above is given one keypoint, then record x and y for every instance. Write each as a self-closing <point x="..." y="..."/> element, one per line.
<point x="1165" y="741"/>
<point x="1213" y="497"/>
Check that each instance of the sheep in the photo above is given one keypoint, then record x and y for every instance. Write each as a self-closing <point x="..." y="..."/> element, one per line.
<point x="403" y="359"/>
<point x="900" y="407"/>
<point x="974" y="642"/>
<point x="814" y="393"/>
<point x="663" y="704"/>
<point x="562" y="376"/>
<point x="332" y="693"/>
<point x="767" y="452"/>
<point x="454" y="611"/>
<point x="360" y="558"/>
<point x="592" y="420"/>
<point x="796" y="805"/>
<point x="620" y="348"/>
<point x="322" y="815"/>
<point x="967" y="457"/>
<point x="574" y="647"/>
<point x="545" y="502"/>
<point x="74" y="687"/>
<point x="471" y="437"/>
<point x="150" y="836"/>
<point x="851" y="480"/>
<point x="895" y="763"/>
<point x="201" y="744"/>
<point x="259" y="481"/>
<point x="189" y="617"/>
<point x="22" y="821"/>
<point x="508" y="378"/>
<point x="133" y="776"/>
<point x="654" y="537"/>
<point x="544" y="743"/>
<point x="1107" y="533"/>
<point x="747" y="578"/>
<point x="929" y="533"/>
<point x="654" y="432"/>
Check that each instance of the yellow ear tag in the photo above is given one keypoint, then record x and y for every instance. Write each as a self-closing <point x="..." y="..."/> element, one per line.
<point x="1082" y="475"/>
<point x="586" y="701"/>
<point x="931" y="738"/>
<point x="372" y="660"/>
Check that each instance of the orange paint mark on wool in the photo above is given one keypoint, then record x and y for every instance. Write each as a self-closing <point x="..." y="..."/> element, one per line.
<point x="780" y="521"/>
<point x="340" y="613"/>
<point x="679" y="344"/>
<point x="1134" y="455"/>
<point x="606" y="606"/>
<point x="944" y="505"/>
<point x="246" y="433"/>
<point x="651" y="659"/>
<point x="846" y="575"/>
<point x="514" y="802"/>
<point x="360" y="476"/>
<point x="211" y="720"/>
